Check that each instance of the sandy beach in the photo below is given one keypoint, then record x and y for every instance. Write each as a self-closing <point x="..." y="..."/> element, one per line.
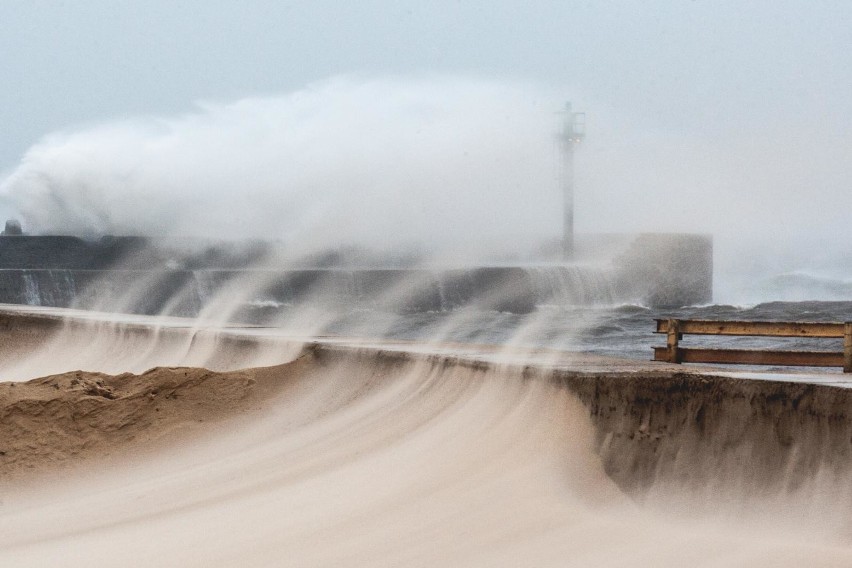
<point x="352" y="455"/>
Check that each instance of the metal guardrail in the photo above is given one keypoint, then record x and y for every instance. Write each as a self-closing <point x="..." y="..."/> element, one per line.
<point x="676" y="328"/>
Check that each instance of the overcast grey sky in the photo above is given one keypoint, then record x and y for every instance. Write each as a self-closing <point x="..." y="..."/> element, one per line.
<point x="731" y="117"/>
<point x="701" y="66"/>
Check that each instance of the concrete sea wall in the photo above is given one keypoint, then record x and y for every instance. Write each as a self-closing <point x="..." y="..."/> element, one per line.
<point x="129" y="274"/>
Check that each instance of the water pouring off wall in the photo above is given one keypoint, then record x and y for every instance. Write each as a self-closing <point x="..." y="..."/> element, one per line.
<point x="656" y="270"/>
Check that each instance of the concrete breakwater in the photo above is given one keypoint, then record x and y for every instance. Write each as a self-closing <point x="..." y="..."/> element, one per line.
<point x="185" y="292"/>
<point x="131" y="275"/>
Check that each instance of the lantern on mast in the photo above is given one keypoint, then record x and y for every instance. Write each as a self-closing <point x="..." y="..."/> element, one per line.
<point x="573" y="132"/>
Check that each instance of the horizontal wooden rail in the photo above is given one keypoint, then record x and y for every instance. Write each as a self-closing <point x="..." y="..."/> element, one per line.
<point x="754" y="328"/>
<point x="675" y="329"/>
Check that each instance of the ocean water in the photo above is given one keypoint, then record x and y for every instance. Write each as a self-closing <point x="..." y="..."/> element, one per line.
<point x="574" y="315"/>
<point x="625" y="331"/>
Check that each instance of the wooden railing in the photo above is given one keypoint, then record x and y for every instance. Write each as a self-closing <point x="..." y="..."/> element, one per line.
<point x="675" y="329"/>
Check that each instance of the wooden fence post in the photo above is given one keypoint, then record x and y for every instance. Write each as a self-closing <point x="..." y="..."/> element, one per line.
<point x="672" y="339"/>
<point x="847" y="347"/>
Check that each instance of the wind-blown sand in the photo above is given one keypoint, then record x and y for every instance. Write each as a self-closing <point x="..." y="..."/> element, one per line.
<point x="357" y="456"/>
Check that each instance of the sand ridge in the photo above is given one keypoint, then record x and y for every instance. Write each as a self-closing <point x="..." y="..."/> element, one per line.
<point x="53" y="423"/>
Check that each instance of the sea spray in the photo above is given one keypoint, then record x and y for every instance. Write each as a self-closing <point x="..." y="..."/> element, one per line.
<point x="384" y="163"/>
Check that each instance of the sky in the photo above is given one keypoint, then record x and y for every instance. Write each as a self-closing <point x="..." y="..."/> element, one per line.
<point x="699" y="66"/>
<point x="701" y="114"/>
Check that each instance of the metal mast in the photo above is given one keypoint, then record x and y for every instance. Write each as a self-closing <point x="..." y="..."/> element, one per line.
<point x="573" y="131"/>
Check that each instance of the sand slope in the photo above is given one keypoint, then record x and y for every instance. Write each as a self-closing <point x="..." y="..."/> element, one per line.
<point x="351" y="458"/>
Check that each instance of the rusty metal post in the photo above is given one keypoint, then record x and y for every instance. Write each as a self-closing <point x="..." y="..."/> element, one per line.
<point x="847" y="347"/>
<point x="671" y="341"/>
